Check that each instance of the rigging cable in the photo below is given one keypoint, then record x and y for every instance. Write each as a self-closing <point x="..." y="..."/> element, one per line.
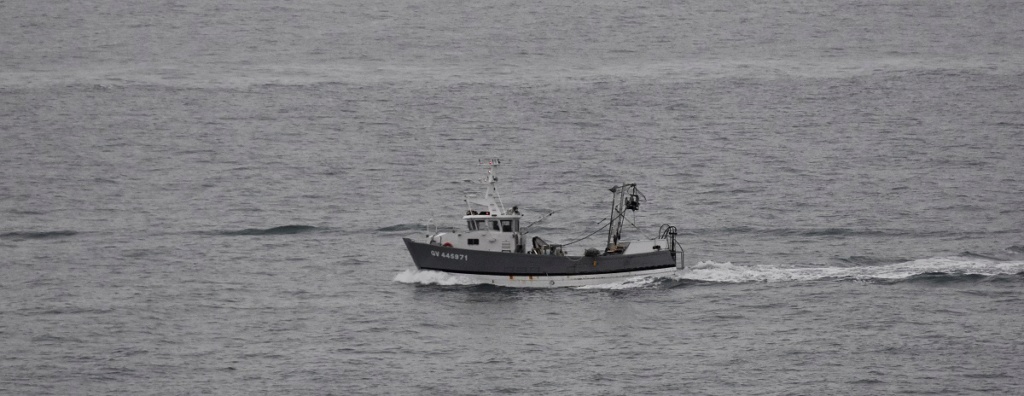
<point x="527" y="228"/>
<point x="635" y="226"/>
<point x="589" y="235"/>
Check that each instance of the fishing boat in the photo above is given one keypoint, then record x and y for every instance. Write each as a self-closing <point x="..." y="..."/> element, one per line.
<point x="495" y="249"/>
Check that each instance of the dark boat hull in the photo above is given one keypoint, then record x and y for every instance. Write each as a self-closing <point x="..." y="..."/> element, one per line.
<point x="474" y="262"/>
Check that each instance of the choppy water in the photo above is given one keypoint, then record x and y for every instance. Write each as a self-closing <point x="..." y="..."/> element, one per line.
<point x="209" y="197"/>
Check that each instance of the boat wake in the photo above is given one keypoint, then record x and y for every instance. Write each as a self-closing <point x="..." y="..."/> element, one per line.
<point x="935" y="270"/>
<point x="949" y="267"/>
<point x="639" y="282"/>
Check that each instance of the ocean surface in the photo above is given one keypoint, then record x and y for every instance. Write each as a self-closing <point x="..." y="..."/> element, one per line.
<point x="208" y="197"/>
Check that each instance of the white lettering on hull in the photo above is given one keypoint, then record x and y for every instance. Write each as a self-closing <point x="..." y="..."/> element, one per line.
<point x="450" y="256"/>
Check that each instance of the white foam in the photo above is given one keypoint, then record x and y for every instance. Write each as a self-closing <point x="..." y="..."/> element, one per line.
<point x="730" y="273"/>
<point x="631" y="283"/>
<point x="427" y="277"/>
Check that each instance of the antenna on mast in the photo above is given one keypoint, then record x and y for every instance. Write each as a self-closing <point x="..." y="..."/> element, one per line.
<point x="490" y="199"/>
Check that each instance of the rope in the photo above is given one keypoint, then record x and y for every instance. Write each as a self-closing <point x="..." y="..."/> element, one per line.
<point x="637" y="227"/>
<point x="588" y="236"/>
<point x="527" y="228"/>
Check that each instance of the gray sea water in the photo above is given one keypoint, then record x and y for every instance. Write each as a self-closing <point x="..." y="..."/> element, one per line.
<point x="208" y="197"/>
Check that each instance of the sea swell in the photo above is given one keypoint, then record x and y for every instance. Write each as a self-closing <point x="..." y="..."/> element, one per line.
<point x="840" y="232"/>
<point x="403" y="227"/>
<point x="281" y="230"/>
<point x="944" y="278"/>
<point x="21" y="235"/>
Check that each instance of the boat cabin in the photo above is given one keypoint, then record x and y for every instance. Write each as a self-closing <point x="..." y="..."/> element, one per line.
<point x="496" y="224"/>
<point x="494" y="233"/>
<point x="489" y="226"/>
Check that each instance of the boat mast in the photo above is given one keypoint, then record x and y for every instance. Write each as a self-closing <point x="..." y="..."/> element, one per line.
<point x="624" y="197"/>
<point x="491" y="199"/>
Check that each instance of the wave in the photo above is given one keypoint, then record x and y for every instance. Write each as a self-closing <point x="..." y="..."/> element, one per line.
<point x="38" y="234"/>
<point x="867" y="260"/>
<point x="839" y="232"/>
<point x="281" y="230"/>
<point x="402" y="227"/>
<point x="809" y="232"/>
<point x="980" y="256"/>
<point x="940" y="278"/>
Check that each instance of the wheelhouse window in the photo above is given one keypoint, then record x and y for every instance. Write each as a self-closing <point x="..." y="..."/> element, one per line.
<point x="509" y="225"/>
